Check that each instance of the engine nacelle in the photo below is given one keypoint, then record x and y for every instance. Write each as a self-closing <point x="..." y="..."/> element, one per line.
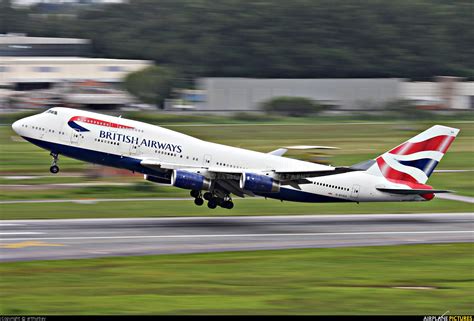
<point x="156" y="179"/>
<point x="259" y="183"/>
<point x="189" y="180"/>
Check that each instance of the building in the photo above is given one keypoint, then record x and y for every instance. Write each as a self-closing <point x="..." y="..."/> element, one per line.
<point x="39" y="72"/>
<point x="39" y="62"/>
<point x="444" y="93"/>
<point x="19" y="45"/>
<point x="247" y="94"/>
<point x="23" y="73"/>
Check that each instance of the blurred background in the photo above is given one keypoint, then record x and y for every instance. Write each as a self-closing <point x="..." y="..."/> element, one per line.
<point x="359" y="76"/>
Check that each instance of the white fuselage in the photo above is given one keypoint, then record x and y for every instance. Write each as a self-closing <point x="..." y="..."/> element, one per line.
<point x="124" y="143"/>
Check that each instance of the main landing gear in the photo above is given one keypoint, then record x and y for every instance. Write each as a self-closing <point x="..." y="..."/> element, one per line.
<point x="212" y="200"/>
<point x="54" y="166"/>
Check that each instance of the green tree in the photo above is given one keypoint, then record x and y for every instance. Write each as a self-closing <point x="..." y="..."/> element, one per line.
<point x="291" y="106"/>
<point x="405" y="109"/>
<point x="415" y="39"/>
<point x="11" y="20"/>
<point x="152" y="85"/>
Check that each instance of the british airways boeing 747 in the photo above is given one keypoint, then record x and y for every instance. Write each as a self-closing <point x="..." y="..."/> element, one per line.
<point x="215" y="172"/>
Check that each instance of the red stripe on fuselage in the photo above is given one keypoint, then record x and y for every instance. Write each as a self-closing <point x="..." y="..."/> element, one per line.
<point x="437" y="143"/>
<point x="99" y="122"/>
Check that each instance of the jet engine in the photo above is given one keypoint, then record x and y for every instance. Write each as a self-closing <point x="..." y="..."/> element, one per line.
<point x="156" y="179"/>
<point x="259" y="183"/>
<point x="189" y="180"/>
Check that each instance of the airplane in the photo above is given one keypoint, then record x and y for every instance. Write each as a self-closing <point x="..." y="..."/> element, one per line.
<point x="216" y="172"/>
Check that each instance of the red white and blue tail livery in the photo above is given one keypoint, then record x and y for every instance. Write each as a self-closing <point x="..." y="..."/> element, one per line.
<point x="410" y="164"/>
<point x="414" y="160"/>
<point x="217" y="172"/>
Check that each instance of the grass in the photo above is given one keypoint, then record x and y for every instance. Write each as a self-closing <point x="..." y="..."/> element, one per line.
<point x="136" y="190"/>
<point x="242" y="207"/>
<point x="358" y="280"/>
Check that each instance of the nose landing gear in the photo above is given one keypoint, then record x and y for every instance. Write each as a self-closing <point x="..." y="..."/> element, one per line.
<point x="54" y="166"/>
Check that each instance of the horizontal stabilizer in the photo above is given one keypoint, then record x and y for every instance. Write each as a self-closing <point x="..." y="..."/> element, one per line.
<point x="409" y="191"/>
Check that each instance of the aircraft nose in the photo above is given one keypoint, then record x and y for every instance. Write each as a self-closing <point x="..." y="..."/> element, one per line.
<point x="16" y="126"/>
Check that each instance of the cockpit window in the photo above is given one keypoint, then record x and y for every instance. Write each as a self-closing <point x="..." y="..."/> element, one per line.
<point x="50" y="111"/>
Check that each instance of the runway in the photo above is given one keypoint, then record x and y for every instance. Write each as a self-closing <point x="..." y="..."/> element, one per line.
<point x="22" y="240"/>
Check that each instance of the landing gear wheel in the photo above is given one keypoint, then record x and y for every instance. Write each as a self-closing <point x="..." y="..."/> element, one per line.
<point x="194" y="193"/>
<point x="198" y="201"/>
<point x="212" y="204"/>
<point x="219" y="201"/>
<point x="207" y="196"/>
<point x="228" y="205"/>
<point x="54" y="166"/>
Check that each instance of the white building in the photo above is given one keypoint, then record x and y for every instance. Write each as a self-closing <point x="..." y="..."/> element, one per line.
<point x="41" y="72"/>
<point x="444" y="93"/>
<point x="247" y="94"/>
<point x="19" y="45"/>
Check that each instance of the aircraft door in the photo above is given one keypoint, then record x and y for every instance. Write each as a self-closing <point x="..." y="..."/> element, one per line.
<point x="76" y="137"/>
<point x="124" y="148"/>
<point x="134" y="148"/>
<point x="207" y="160"/>
<point x="65" y="133"/>
<point x="355" y="191"/>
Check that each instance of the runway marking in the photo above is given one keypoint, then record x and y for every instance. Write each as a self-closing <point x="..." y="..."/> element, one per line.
<point x="21" y="245"/>
<point x="10" y="224"/>
<point x="466" y="216"/>
<point x="234" y="235"/>
<point x="455" y="197"/>
<point x="20" y="233"/>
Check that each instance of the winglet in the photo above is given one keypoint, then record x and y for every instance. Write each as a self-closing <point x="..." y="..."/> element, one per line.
<point x="281" y="151"/>
<point x="278" y="152"/>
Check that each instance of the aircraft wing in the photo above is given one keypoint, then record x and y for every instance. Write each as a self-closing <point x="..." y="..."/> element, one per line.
<point x="227" y="179"/>
<point x="293" y="175"/>
<point x="222" y="173"/>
